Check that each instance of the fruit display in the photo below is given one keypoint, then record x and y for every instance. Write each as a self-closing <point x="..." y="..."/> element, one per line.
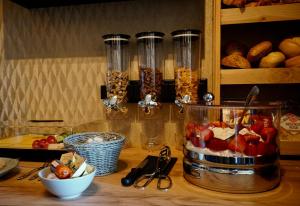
<point x="49" y="142"/>
<point x="255" y="137"/>
<point x="70" y="165"/>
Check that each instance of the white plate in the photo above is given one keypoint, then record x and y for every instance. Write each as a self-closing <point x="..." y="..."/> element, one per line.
<point x="9" y="165"/>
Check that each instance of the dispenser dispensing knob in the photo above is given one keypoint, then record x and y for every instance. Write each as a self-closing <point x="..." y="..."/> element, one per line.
<point x="208" y="98"/>
<point x="186" y="99"/>
<point x="112" y="104"/>
<point x="148" y="103"/>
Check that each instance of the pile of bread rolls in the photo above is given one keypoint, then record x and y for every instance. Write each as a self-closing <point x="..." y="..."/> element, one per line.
<point x="262" y="55"/>
<point x="253" y="3"/>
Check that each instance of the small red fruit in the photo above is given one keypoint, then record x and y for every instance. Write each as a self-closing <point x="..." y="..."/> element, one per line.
<point x="269" y="134"/>
<point x="267" y="121"/>
<point x="237" y="144"/>
<point x="51" y="139"/>
<point x="204" y="134"/>
<point x="190" y="131"/>
<point x="250" y="138"/>
<point x="257" y="127"/>
<point x="251" y="149"/>
<point x="63" y="172"/>
<point x="261" y="148"/>
<point x="43" y="144"/>
<point x="36" y="144"/>
<point x="217" y="144"/>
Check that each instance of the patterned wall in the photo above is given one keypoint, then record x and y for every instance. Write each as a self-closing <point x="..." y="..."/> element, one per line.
<point x="52" y="60"/>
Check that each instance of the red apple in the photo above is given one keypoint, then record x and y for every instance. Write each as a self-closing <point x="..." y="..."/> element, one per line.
<point x="51" y="139"/>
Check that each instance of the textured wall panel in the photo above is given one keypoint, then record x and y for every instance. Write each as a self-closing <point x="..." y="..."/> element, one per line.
<point x="52" y="60"/>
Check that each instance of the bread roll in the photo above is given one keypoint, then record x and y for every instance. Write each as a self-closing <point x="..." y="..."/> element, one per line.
<point x="235" y="47"/>
<point x="235" y="61"/>
<point x="293" y="62"/>
<point x="290" y="47"/>
<point x="259" y="50"/>
<point x="272" y="60"/>
<point x="237" y="3"/>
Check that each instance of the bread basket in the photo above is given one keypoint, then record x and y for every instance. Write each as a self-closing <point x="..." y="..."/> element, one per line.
<point x="103" y="155"/>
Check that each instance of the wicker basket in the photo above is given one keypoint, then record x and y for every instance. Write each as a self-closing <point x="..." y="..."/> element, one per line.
<point x="103" y="155"/>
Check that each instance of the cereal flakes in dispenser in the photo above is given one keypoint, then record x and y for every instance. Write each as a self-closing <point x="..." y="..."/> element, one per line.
<point x="186" y="63"/>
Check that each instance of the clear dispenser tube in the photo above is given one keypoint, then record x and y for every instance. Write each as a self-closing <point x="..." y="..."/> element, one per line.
<point x="117" y="76"/>
<point x="150" y="58"/>
<point x="186" y="63"/>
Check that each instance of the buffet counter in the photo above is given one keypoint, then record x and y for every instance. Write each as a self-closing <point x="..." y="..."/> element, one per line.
<point x="107" y="190"/>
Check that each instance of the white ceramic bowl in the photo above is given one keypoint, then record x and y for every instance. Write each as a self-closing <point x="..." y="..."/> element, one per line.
<point x="66" y="188"/>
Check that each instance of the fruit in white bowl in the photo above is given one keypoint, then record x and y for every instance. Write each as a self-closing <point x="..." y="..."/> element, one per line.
<point x="67" y="188"/>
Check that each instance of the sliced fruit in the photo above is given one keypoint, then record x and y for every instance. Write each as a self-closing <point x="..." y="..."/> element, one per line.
<point x="261" y="148"/>
<point x="218" y="124"/>
<point x="237" y="144"/>
<point x="251" y="138"/>
<point x="204" y="134"/>
<point x="269" y="134"/>
<point x="257" y="127"/>
<point x="251" y="149"/>
<point x="217" y="144"/>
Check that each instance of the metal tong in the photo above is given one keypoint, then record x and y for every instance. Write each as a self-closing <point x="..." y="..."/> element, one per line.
<point x="33" y="171"/>
<point x="161" y="164"/>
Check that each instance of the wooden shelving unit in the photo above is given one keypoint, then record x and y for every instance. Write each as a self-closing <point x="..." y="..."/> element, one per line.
<point x="240" y="24"/>
<point x="284" y="12"/>
<point x="260" y="76"/>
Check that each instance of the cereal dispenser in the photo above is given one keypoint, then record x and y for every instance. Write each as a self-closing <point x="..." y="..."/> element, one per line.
<point x="117" y="79"/>
<point x="186" y="65"/>
<point x="232" y="148"/>
<point x="117" y="75"/>
<point x="150" y="62"/>
<point x="150" y="58"/>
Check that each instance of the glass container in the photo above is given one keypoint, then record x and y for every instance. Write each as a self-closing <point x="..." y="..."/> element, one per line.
<point x="235" y="146"/>
<point x="150" y="59"/>
<point x="117" y="75"/>
<point x="186" y="46"/>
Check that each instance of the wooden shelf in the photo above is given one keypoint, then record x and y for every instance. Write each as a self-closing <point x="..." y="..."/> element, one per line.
<point x="260" y="14"/>
<point x="30" y="4"/>
<point x="260" y="76"/>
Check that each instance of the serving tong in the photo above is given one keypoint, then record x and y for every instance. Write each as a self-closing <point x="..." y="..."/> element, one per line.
<point x="161" y="164"/>
<point x="27" y="174"/>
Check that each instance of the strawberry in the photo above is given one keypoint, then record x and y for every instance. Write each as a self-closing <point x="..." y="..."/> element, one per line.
<point x="197" y="142"/>
<point x="217" y="144"/>
<point x="204" y="134"/>
<point x="250" y="138"/>
<point x="218" y="124"/>
<point x="190" y="130"/>
<point x="269" y="134"/>
<point x="257" y="127"/>
<point x="261" y="148"/>
<point x="270" y="149"/>
<point x="251" y="150"/>
<point x="267" y="121"/>
<point x="237" y="144"/>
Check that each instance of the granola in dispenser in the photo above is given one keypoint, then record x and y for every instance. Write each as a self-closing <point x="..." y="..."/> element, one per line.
<point x="117" y="83"/>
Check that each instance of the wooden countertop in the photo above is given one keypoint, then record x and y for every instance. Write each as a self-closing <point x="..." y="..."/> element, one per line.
<point x="108" y="190"/>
